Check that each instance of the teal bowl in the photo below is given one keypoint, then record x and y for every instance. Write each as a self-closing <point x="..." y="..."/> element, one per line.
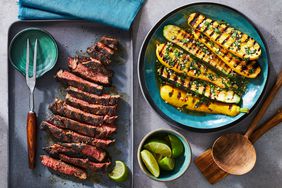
<point x="182" y="163"/>
<point x="200" y="122"/>
<point x="47" y="51"/>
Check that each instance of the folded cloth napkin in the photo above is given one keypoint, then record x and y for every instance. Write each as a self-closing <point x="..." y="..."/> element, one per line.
<point x="116" y="13"/>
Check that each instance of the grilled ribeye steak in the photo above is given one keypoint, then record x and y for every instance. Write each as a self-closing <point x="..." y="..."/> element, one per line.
<point x="77" y="150"/>
<point x="110" y="42"/>
<point x="96" y="66"/>
<point x="72" y="80"/>
<point x="85" y="163"/>
<point x="91" y="108"/>
<point x="87" y="73"/>
<point x="102" y="131"/>
<point x="63" y="135"/>
<point x="105" y="99"/>
<point x="59" y="107"/>
<point x="62" y="167"/>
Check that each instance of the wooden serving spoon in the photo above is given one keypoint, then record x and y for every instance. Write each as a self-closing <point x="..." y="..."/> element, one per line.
<point x="210" y="169"/>
<point x="234" y="153"/>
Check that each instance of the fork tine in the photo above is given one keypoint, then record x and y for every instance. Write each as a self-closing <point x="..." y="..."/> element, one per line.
<point x="27" y="59"/>
<point x="34" y="59"/>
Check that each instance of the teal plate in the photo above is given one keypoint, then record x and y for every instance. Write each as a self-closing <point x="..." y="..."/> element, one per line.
<point x="47" y="51"/>
<point x="148" y="79"/>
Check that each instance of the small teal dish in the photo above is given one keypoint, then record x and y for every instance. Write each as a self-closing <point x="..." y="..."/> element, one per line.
<point x="47" y="51"/>
<point x="182" y="163"/>
<point x="200" y="122"/>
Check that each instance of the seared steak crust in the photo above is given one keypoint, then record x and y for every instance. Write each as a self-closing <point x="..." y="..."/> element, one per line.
<point x="110" y="42"/>
<point x="104" y="99"/>
<point x="72" y="80"/>
<point x="63" y="135"/>
<point x="62" y="167"/>
<point x="102" y="131"/>
<point x="91" y="108"/>
<point x="85" y="163"/>
<point x="59" y="107"/>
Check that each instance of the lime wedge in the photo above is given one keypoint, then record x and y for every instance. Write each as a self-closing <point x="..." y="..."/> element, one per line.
<point x="119" y="173"/>
<point x="158" y="147"/>
<point x="167" y="163"/>
<point x="150" y="162"/>
<point x="176" y="146"/>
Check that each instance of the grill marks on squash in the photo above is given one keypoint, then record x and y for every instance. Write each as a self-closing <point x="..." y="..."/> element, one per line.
<point x="227" y="37"/>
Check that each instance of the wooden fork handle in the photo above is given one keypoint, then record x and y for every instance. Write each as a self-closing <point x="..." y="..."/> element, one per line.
<point x="31" y="138"/>
<point x="272" y="122"/>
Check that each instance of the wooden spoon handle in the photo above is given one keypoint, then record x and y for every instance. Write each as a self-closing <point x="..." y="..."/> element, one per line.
<point x="272" y="122"/>
<point x="265" y="105"/>
<point x="31" y="138"/>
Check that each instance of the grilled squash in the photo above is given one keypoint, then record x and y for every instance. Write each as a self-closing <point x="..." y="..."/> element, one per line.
<point x="186" y="41"/>
<point x="182" y="63"/>
<point x="247" y="69"/>
<point x="190" y="84"/>
<point x="182" y="100"/>
<point x="231" y="39"/>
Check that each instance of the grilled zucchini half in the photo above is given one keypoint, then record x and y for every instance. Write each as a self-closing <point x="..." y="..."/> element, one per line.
<point x="198" y="87"/>
<point x="187" y="42"/>
<point x="249" y="69"/>
<point x="184" y="100"/>
<point x="226" y="36"/>
<point x="182" y="63"/>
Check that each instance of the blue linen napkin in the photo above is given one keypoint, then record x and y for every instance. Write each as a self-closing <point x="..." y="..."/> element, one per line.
<point x="116" y="13"/>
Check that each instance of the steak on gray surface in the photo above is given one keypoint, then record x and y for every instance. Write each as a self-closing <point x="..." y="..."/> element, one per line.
<point x="62" y="167"/>
<point x="91" y="108"/>
<point x="95" y="65"/>
<point x="63" y="135"/>
<point x="105" y="99"/>
<point x="85" y="163"/>
<point x="102" y="131"/>
<point x="59" y="107"/>
<point x="87" y="73"/>
<point x="72" y="80"/>
<point x="77" y="150"/>
<point x="110" y="42"/>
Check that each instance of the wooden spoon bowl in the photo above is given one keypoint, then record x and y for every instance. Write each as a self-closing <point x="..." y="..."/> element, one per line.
<point x="234" y="153"/>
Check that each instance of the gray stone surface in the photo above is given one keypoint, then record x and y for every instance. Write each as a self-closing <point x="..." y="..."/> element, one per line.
<point x="268" y="170"/>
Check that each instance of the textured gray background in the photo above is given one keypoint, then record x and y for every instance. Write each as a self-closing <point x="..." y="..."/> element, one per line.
<point x="268" y="170"/>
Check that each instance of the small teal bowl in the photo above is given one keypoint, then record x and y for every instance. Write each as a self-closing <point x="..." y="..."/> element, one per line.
<point x="182" y="163"/>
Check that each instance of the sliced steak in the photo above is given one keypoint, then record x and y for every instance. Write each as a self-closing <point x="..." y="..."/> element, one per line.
<point x="62" y="167"/>
<point x="77" y="150"/>
<point x="72" y="80"/>
<point x="110" y="42"/>
<point x="102" y="131"/>
<point x="96" y="66"/>
<point x="101" y="52"/>
<point x="63" y="135"/>
<point x="91" y="108"/>
<point x="87" y="73"/>
<point x="59" y="107"/>
<point x="85" y="163"/>
<point x="104" y="99"/>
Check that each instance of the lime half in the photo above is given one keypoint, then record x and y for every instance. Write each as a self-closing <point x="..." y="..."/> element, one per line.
<point x="150" y="162"/>
<point x="158" y="147"/>
<point x="119" y="173"/>
<point x="176" y="146"/>
<point x="167" y="163"/>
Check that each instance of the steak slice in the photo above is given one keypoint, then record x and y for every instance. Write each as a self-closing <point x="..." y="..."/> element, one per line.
<point x="77" y="150"/>
<point x="101" y="52"/>
<point x="85" y="163"/>
<point x="104" y="99"/>
<point x="87" y="73"/>
<point x="102" y="131"/>
<point x="96" y="66"/>
<point x="110" y="42"/>
<point x="91" y="108"/>
<point x="62" y="167"/>
<point x="63" y="135"/>
<point x="59" y="107"/>
<point x="72" y="80"/>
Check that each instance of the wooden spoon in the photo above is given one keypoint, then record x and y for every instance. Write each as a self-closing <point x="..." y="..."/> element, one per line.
<point x="234" y="153"/>
<point x="210" y="169"/>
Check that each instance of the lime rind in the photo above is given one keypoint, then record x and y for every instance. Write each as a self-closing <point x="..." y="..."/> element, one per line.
<point x="167" y="163"/>
<point x="177" y="147"/>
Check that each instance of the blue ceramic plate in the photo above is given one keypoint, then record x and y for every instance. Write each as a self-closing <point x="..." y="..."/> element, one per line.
<point x="150" y="85"/>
